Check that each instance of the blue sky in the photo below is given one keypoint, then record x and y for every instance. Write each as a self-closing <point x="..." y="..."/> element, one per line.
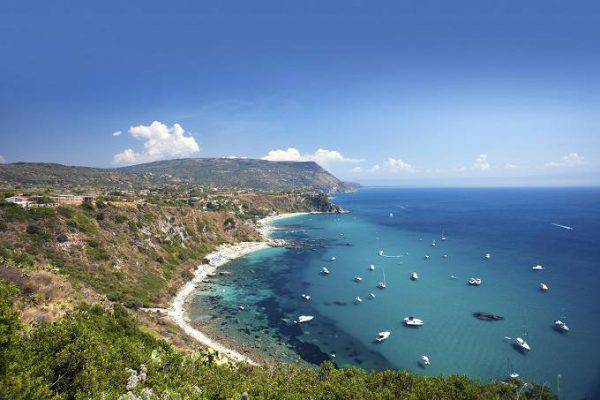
<point x="442" y="93"/>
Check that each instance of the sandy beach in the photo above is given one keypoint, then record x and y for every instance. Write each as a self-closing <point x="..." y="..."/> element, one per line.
<point x="221" y="256"/>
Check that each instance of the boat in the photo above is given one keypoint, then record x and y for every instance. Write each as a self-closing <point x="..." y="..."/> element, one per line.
<point x="474" y="281"/>
<point x="381" y="336"/>
<point x="522" y="344"/>
<point x="332" y="259"/>
<point x="537" y="267"/>
<point x="487" y="316"/>
<point x="453" y="277"/>
<point x="381" y="253"/>
<point x="391" y="215"/>
<point x="357" y="300"/>
<point x="242" y="308"/>
<point x="487" y="256"/>
<point x="544" y="287"/>
<point x="357" y="279"/>
<point x="324" y="271"/>
<point x="305" y="296"/>
<point x="412" y="321"/>
<point x="445" y="256"/>
<point x="433" y="243"/>
<point x="442" y="235"/>
<point x="382" y="285"/>
<point x="304" y="318"/>
<point x="371" y="296"/>
<point x="426" y="257"/>
<point x="371" y="267"/>
<point x="425" y="360"/>
<point x="414" y="276"/>
<point x="561" y="326"/>
<point x="513" y="375"/>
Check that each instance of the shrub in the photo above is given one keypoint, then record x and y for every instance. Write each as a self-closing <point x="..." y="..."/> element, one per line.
<point x="33" y="229"/>
<point x="120" y="218"/>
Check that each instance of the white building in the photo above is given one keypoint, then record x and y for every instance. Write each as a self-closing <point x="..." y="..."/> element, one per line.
<point x="20" y="201"/>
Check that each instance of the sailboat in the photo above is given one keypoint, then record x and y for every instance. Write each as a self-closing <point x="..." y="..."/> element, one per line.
<point x="442" y="235"/>
<point x="382" y="285"/>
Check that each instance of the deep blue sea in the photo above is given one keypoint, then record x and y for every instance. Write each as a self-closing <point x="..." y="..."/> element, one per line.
<point x="514" y="225"/>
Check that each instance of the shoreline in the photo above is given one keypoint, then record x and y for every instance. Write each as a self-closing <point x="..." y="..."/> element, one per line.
<point x="221" y="256"/>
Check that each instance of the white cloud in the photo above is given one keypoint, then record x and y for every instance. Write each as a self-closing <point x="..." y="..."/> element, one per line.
<point x="569" y="160"/>
<point x="398" y="165"/>
<point x="510" y="166"/>
<point x="2" y="160"/>
<point x="160" y="142"/>
<point x="481" y="163"/>
<point x="234" y="157"/>
<point x="117" y="133"/>
<point x="356" y="170"/>
<point x="321" y="156"/>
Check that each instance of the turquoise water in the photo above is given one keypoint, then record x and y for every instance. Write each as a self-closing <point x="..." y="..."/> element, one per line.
<point x="514" y="225"/>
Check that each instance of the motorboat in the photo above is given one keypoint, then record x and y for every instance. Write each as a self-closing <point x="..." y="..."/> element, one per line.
<point x="513" y="375"/>
<point x="371" y="296"/>
<point x="537" y="267"/>
<point x="381" y="336"/>
<point x="522" y="344"/>
<point x="381" y="253"/>
<point x="332" y="259"/>
<point x="544" y="287"/>
<point x="304" y="318"/>
<point x="412" y="321"/>
<point x="487" y="256"/>
<point x="371" y="267"/>
<point x="414" y="276"/>
<point x="305" y="296"/>
<point x="433" y="244"/>
<point x="475" y="281"/>
<point x="357" y="279"/>
<point x="425" y="360"/>
<point x="324" y="271"/>
<point x="242" y="308"/>
<point x="381" y="285"/>
<point x="426" y="257"/>
<point x="445" y="256"/>
<point x="561" y="326"/>
<point x="358" y="300"/>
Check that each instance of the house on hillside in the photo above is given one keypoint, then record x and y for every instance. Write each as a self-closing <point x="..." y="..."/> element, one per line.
<point x="18" y="200"/>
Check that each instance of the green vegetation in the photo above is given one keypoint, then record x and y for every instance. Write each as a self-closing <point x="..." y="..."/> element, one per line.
<point x="95" y="353"/>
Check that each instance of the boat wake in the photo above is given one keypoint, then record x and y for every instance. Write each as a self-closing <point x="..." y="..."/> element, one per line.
<point x="382" y="254"/>
<point x="570" y="228"/>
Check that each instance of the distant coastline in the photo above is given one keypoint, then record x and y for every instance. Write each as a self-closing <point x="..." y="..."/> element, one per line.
<point x="224" y="253"/>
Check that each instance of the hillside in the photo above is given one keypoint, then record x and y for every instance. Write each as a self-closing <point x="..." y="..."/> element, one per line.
<point x="207" y="172"/>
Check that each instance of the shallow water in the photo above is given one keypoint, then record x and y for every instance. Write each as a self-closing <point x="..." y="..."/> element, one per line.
<point x="514" y="225"/>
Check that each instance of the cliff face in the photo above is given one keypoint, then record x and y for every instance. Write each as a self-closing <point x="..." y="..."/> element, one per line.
<point x="266" y="176"/>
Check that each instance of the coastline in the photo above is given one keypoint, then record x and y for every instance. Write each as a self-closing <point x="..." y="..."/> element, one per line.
<point x="221" y="256"/>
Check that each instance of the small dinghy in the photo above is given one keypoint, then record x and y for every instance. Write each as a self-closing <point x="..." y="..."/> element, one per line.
<point x="544" y="287"/>
<point x="474" y="281"/>
<point x="324" y="271"/>
<point x="381" y="253"/>
<point x="522" y="344"/>
<point x="412" y="321"/>
<point x="357" y="279"/>
<point x="242" y="308"/>
<point x="445" y="256"/>
<point x="371" y="296"/>
<point x="304" y="318"/>
<point x="537" y="267"/>
<point x="487" y="256"/>
<point x="487" y="316"/>
<point x="425" y="360"/>
<point x="561" y="326"/>
<point x="426" y="257"/>
<point x="433" y="244"/>
<point x="332" y="259"/>
<point x="414" y="276"/>
<point x="371" y="267"/>
<point x="305" y="296"/>
<point x="358" y="300"/>
<point x="381" y="336"/>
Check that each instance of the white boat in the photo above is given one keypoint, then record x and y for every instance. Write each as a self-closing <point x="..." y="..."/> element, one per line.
<point x="414" y="276"/>
<point x="561" y="326"/>
<point x="412" y="321"/>
<point x="513" y="375"/>
<point x="381" y="253"/>
<point x="324" y="271"/>
<point x="332" y="259"/>
<point x="305" y="296"/>
<point x="357" y="279"/>
<point x="371" y="267"/>
<point x="426" y="257"/>
<point x="522" y="344"/>
<point x="357" y="300"/>
<point x="382" y="285"/>
<point x="445" y="256"/>
<point x="391" y="215"/>
<point x="242" y="308"/>
<point x="425" y="360"/>
<point x="371" y="295"/>
<point x="452" y="276"/>
<point x="475" y="281"/>
<point x="304" y="318"/>
<point x="537" y="267"/>
<point x="544" y="287"/>
<point x="381" y="336"/>
<point x="433" y="244"/>
<point x="487" y="256"/>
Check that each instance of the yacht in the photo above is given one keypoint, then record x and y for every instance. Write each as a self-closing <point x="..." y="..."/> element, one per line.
<point x="425" y="360"/>
<point x="414" y="276"/>
<point x="561" y="326"/>
<point x="475" y="281"/>
<point x="357" y="300"/>
<point x="537" y="267"/>
<point x="382" y="285"/>
<point x="544" y="287"/>
<point x="412" y="321"/>
<point x="371" y="267"/>
<point x="371" y="296"/>
<point x="305" y="296"/>
<point x="324" y="271"/>
<point x="304" y="318"/>
<point x="357" y="279"/>
<point x="381" y="336"/>
<point x="487" y="256"/>
<point x="522" y="344"/>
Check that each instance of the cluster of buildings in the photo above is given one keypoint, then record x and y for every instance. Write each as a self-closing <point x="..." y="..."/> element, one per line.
<point x="49" y="201"/>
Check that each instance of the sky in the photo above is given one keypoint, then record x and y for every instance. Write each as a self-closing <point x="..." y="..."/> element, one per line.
<point x="416" y="93"/>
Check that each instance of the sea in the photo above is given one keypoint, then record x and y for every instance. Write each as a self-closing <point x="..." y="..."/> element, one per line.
<point x="558" y="228"/>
